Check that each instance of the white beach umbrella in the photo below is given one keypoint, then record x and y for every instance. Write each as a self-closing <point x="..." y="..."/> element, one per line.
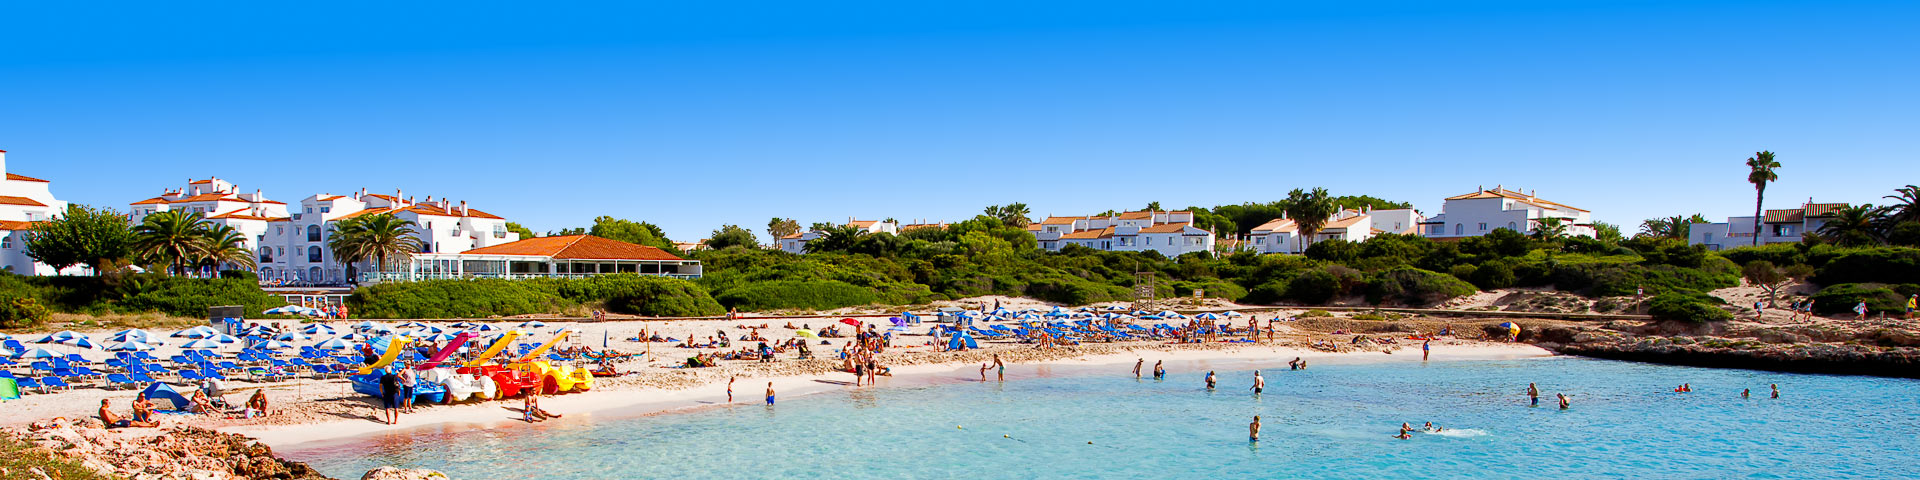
<point x="335" y="344"/>
<point x="129" y="346"/>
<point x="483" y="328"/>
<point x="273" y="345"/>
<point x="291" y="337"/>
<point x="202" y="344"/>
<point x="1235" y="314"/>
<point x="410" y="325"/>
<point x="80" y="341"/>
<point x="533" y="324"/>
<point x="37" y="352"/>
<point x="318" y="329"/>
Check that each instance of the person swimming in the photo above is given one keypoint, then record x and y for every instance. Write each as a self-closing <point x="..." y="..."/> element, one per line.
<point x="1746" y="393"/>
<point x="1210" y="380"/>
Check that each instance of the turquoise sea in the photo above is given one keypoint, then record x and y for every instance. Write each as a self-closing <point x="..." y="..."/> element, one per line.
<point x="1329" y="421"/>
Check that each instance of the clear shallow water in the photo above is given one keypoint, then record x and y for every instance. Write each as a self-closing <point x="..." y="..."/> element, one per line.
<point x="1331" y="421"/>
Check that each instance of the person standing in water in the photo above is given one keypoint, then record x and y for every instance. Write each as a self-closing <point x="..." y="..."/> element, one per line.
<point x="730" y="388"/>
<point x="1564" y="401"/>
<point x="1746" y="393"/>
<point x="1259" y="383"/>
<point x="1253" y="429"/>
<point x="1136" y="367"/>
<point x="1776" y="390"/>
<point x="1426" y="350"/>
<point x="1000" y="365"/>
<point x="1209" y="380"/>
<point x="1159" y="373"/>
<point x="769" y="393"/>
<point x="1533" y="393"/>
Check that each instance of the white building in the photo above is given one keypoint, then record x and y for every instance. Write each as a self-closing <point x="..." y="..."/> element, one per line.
<point x="1778" y="226"/>
<point x="24" y="201"/>
<point x="1170" y="233"/>
<point x="291" y="243"/>
<point x="565" y="256"/>
<point x="1282" y="235"/>
<point x="797" y="243"/>
<point x="1484" y="211"/>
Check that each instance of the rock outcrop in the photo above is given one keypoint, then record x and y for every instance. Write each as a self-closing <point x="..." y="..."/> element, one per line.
<point x="177" y="452"/>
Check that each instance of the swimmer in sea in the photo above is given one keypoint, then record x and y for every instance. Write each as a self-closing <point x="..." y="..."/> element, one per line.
<point x="1209" y="380"/>
<point x="1158" y="371"/>
<point x="1136" y="367"/>
<point x="1404" y="436"/>
<point x="1259" y="383"/>
<point x="1429" y="428"/>
<point x="1564" y="401"/>
<point x="1776" y="390"/>
<point x="1253" y="429"/>
<point x="1533" y="393"/>
<point x="1746" y="393"/>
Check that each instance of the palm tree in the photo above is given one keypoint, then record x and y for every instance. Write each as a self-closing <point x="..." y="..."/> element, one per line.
<point x="782" y="227"/>
<point x="1760" y="172"/>
<point x="1549" y="229"/>
<point x="836" y="239"/>
<point x="1015" y="215"/>
<point x="381" y="237"/>
<point x="1906" y="206"/>
<point x="226" y="245"/>
<point x="1309" y="210"/>
<point x="1853" y="226"/>
<point x="173" y="238"/>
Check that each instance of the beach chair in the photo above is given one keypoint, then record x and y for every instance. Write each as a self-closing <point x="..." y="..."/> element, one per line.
<point x="141" y="378"/>
<point x="213" y="374"/>
<point x="30" y="382"/>
<point x="191" y="376"/>
<point x="51" y="383"/>
<point x="63" y="372"/>
<point x="116" y="381"/>
<point x="41" y="366"/>
<point x="145" y="356"/>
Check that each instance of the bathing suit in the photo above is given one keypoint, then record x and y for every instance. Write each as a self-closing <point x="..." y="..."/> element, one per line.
<point x="1536" y="401"/>
<point x="1256" y="389"/>
<point x="769" y="399"/>
<point x="121" y="424"/>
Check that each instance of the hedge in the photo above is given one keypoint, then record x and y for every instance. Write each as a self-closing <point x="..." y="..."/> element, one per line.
<point x="1416" y="287"/>
<point x="1693" y="307"/>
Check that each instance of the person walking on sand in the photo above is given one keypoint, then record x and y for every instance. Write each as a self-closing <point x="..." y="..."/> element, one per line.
<point x="769" y="393"/>
<point x="1860" y="311"/>
<point x="1210" y="380"/>
<point x="407" y="383"/>
<point x="390" y="397"/>
<point x="1533" y="394"/>
<point x="1253" y="429"/>
<point x="730" y="381"/>
<point x="1259" y="383"/>
<point x="1136" y="367"/>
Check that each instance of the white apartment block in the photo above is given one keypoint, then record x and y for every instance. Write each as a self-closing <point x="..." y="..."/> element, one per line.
<point x="797" y="243"/>
<point x="1777" y="226"/>
<point x="24" y="201"/>
<point x="1484" y="211"/>
<point x="1282" y="235"/>
<point x="291" y="241"/>
<point x="1170" y="233"/>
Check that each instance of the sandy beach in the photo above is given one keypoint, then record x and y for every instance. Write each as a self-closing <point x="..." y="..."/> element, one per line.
<point x="314" y="410"/>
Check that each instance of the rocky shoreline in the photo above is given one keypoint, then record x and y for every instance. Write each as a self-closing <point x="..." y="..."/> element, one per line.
<point x="1881" y="352"/>
<point x="172" y="451"/>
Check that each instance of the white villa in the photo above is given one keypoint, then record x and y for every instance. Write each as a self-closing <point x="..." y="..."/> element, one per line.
<point x="1484" y="211"/>
<point x="1170" y="233"/>
<point x="24" y="201"/>
<point x="1282" y="235"/>
<point x="558" y="256"/>
<point x="291" y="242"/>
<point x="797" y="243"/>
<point x="1778" y="226"/>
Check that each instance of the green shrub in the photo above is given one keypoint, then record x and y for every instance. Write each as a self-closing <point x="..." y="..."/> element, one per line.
<point x="647" y="295"/>
<point x="190" y="297"/>
<point x="811" y="295"/>
<point x="454" y="299"/>
<point x="1840" y="299"/>
<point x="1875" y="265"/>
<point x="1212" y="287"/>
<point x="1313" y="287"/>
<point x="1413" y="286"/>
<point x="1316" y="313"/>
<point x="1270" y="293"/>
<point x="1690" y="307"/>
<point x="1463" y="271"/>
<point x="21" y="311"/>
<point x="1493" y="275"/>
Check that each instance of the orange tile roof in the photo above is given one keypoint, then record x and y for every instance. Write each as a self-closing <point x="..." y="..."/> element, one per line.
<point x="863" y="223"/>
<point x="17" y="225"/>
<point x="197" y="182"/>
<point x="1166" y="228"/>
<point x="1343" y="223"/>
<point x="323" y="198"/>
<point x="209" y="197"/>
<point x="576" y="247"/>
<point x="1785" y="215"/>
<point x="1823" y="209"/>
<point x="24" y="178"/>
<point x="793" y="236"/>
<point x="1136" y="215"/>
<point x="370" y="211"/>
<point x="6" y="200"/>
<point x="151" y="201"/>
<point x="1060" y="220"/>
<point x="236" y="215"/>
<point x="435" y="210"/>
<point x="388" y="198"/>
<point x="1278" y="225"/>
<point x="1088" y="234"/>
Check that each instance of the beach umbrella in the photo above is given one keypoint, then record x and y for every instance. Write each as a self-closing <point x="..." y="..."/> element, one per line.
<point x="533" y="324"/>
<point x="59" y="336"/>
<point x="442" y="337"/>
<point x="291" y="337"/>
<point x="1235" y="314"/>
<point x="805" y="333"/>
<point x="223" y="338"/>
<point x="850" y="321"/>
<point x="273" y="345"/>
<point x="483" y="328"/>
<point x="410" y="325"/>
<point x="1207" y="316"/>
<point x="202" y="343"/>
<point x="428" y="329"/>
<point x="317" y="329"/>
<point x="334" y="344"/>
<point x="1115" y="307"/>
<point x="284" y="310"/>
<point x="202" y="331"/>
<point x="80" y="341"/>
<point x="897" y="329"/>
<point x="37" y="352"/>
<point x="129" y="346"/>
<point x="378" y="329"/>
<point x="462" y="324"/>
<point x="356" y="337"/>
<point x="365" y="325"/>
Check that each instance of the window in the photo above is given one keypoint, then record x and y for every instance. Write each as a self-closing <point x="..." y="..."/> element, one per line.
<point x="1459" y="229"/>
<point x="313" y="274"/>
<point x="279" y="230"/>
<point x="296" y="215"/>
<point x="313" y="233"/>
<point x="500" y="231"/>
<point x="6" y="241"/>
<point x="266" y="255"/>
<point x="1514" y="227"/>
<point x="1709" y="238"/>
<point x="1483" y="226"/>
<point x="309" y="209"/>
<point x="280" y="250"/>
<point x="313" y="254"/>
<point x="326" y="209"/>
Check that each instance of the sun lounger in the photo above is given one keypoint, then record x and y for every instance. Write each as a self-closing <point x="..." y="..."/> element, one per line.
<point x="54" y="382"/>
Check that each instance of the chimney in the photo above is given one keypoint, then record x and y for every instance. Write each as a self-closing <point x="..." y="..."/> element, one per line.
<point x="429" y="198"/>
<point x="397" y="197"/>
<point x="363" y="191"/>
<point x="463" y="208"/>
<point x="445" y="205"/>
<point x="3" y="163"/>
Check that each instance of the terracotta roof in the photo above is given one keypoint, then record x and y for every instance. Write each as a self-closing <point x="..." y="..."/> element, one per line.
<point x="1781" y="216"/>
<point x="17" y="225"/>
<point x="794" y="236"/>
<point x="272" y="202"/>
<point x="362" y="213"/>
<point x="863" y="223"/>
<point x="209" y="197"/>
<point x="1278" y="225"/>
<point x="198" y="182"/>
<point x="1823" y="209"/>
<point x="1504" y="193"/>
<point x="435" y="210"/>
<point x="236" y="215"/>
<point x="1343" y="223"/>
<point x="1060" y="220"/>
<point x="151" y="201"/>
<point x="323" y="198"/>
<point x="1088" y="234"/>
<point x="388" y="198"/>
<point x="1166" y="228"/>
<point x="576" y="247"/>
<point x="6" y="200"/>
<point x="24" y="178"/>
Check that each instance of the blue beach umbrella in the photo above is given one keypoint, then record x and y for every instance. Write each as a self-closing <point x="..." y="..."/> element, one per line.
<point x="290" y="337"/>
<point x="533" y="324"/>
<point x="202" y="344"/>
<point x="318" y="329"/>
<point x="1207" y="316"/>
<point x="37" y="352"/>
<point x="129" y="346"/>
<point x="273" y="345"/>
<point x="81" y="342"/>
<point x="482" y="328"/>
<point x="335" y="344"/>
<point x="410" y="325"/>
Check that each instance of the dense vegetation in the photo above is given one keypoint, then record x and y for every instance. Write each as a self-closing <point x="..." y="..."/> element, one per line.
<point x="27" y="301"/>
<point x="624" y="293"/>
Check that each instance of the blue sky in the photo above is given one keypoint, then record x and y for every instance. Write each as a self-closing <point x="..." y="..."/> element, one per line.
<point x="695" y="114"/>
